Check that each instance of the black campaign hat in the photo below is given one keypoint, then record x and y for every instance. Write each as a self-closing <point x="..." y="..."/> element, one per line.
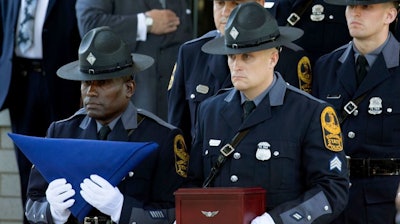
<point x="357" y="2"/>
<point x="103" y="55"/>
<point x="250" y="28"/>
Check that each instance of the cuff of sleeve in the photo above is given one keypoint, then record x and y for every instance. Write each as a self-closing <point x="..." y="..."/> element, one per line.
<point x="141" y="27"/>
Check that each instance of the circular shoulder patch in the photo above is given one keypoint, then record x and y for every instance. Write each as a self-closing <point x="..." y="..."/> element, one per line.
<point x="331" y="130"/>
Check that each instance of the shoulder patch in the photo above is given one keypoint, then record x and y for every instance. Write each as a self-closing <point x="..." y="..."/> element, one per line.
<point x="331" y="130"/>
<point x="171" y="80"/>
<point x="304" y="73"/>
<point x="181" y="156"/>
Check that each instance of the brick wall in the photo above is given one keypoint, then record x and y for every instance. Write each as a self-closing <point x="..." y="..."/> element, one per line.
<point x="10" y="201"/>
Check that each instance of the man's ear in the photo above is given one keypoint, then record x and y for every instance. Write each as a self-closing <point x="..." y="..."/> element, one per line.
<point x="130" y="88"/>
<point x="392" y="15"/>
<point x="274" y="57"/>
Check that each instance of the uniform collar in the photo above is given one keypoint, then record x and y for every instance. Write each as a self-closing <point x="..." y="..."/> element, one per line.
<point x="390" y="52"/>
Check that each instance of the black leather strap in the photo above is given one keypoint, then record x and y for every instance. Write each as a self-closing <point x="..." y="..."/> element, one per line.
<point x="226" y="151"/>
<point x="367" y="167"/>
<point x="295" y="16"/>
<point x="351" y="107"/>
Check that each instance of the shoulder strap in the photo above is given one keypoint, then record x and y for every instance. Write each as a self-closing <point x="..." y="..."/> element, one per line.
<point x="295" y="16"/>
<point x="351" y="107"/>
<point x="226" y="151"/>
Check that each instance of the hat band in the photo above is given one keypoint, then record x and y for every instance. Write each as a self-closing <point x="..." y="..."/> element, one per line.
<point x="93" y="71"/>
<point x="246" y="45"/>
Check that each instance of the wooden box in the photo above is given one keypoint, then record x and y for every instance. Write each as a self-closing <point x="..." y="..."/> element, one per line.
<point x="219" y="205"/>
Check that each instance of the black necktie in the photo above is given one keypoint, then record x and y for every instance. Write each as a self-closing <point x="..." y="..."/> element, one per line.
<point x="103" y="133"/>
<point x="361" y="66"/>
<point x="248" y="107"/>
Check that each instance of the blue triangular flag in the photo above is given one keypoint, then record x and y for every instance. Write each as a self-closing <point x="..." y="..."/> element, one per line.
<point x="77" y="159"/>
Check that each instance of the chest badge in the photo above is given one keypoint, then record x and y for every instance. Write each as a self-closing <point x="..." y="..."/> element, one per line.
<point x="375" y="106"/>
<point x="317" y="13"/>
<point x="263" y="151"/>
<point x="203" y="89"/>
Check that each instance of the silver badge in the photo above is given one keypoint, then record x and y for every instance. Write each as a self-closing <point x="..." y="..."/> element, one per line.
<point x="202" y="89"/>
<point x="234" y="33"/>
<point x="263" y="151"/>
<point x="91" y="58"/>
<point x="317" y="13"/>
<point x="375" y="106"/>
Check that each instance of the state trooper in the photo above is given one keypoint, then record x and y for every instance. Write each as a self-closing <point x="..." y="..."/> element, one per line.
<point x="361" y="80"/>
<point x="324" y="25"/>
<point x="198" y="75"/>
<point x="289" y="143"/>
<point x="106" y="70"/>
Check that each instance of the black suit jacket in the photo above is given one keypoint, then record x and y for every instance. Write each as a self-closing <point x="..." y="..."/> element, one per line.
<point x="60" y="38"/>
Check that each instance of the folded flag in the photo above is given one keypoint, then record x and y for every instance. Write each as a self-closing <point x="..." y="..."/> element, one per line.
<point x="77" y="159"/>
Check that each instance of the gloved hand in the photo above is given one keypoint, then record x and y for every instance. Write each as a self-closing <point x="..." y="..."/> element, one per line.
<point x="57" y="194"/>
<point x="102" y="195"/>
<point x="263" y="219"/>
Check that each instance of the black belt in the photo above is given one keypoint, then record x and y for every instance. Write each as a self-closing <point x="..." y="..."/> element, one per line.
<point x="97" y="220"/>
<point x="361" y="167"/>
<point x="26" y="64"/>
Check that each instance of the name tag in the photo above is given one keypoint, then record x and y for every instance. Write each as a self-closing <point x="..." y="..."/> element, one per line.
<point x="214" y="142"/>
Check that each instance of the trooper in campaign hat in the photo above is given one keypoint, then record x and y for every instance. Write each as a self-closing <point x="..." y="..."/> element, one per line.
<point x="359" y="78"/>
<point x="266" y="121"/>
<point x="200" y="75"/>
<point x="79" y="188"/>
<point x="103" y="55"/>
<point x="245" y="33"/>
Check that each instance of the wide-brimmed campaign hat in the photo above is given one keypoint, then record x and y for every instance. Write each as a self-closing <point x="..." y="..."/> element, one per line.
<point x="103" y="55"/>
<point x="250" y="28"/>
<point x="357" y="2"/>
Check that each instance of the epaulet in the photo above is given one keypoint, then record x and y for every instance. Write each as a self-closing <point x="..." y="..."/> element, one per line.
<point x="210" y="35"/>
<point x="154" y="117"/>
<point x="301" y="92"/>
<point x="81" y="112"/>
<point x="223" y="90"/>
<point x="341" y="47"/>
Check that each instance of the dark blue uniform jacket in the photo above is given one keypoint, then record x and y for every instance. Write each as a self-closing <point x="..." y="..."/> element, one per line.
<point x="153" y="182"/>
<point x="374" y="132"/>
<point x="304" y="178"/>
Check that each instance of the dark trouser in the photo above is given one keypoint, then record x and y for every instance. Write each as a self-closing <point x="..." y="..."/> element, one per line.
<point x="30" y="113"/>
<point x="371" y="201"/>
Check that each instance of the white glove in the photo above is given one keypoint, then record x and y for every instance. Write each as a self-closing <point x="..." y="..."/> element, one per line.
<point x="57" y="194"/>
<point x="263" y="219"/>
<point x="102" y="195"/>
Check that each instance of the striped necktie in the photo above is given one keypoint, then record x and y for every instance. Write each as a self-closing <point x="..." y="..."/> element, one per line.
<point x="26" y="25"/>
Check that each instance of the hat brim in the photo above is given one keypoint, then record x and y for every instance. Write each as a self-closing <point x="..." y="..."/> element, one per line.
<point x="356" y="2"/>
<point x="71" y="71"/>
<point x="287" y="35"/>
